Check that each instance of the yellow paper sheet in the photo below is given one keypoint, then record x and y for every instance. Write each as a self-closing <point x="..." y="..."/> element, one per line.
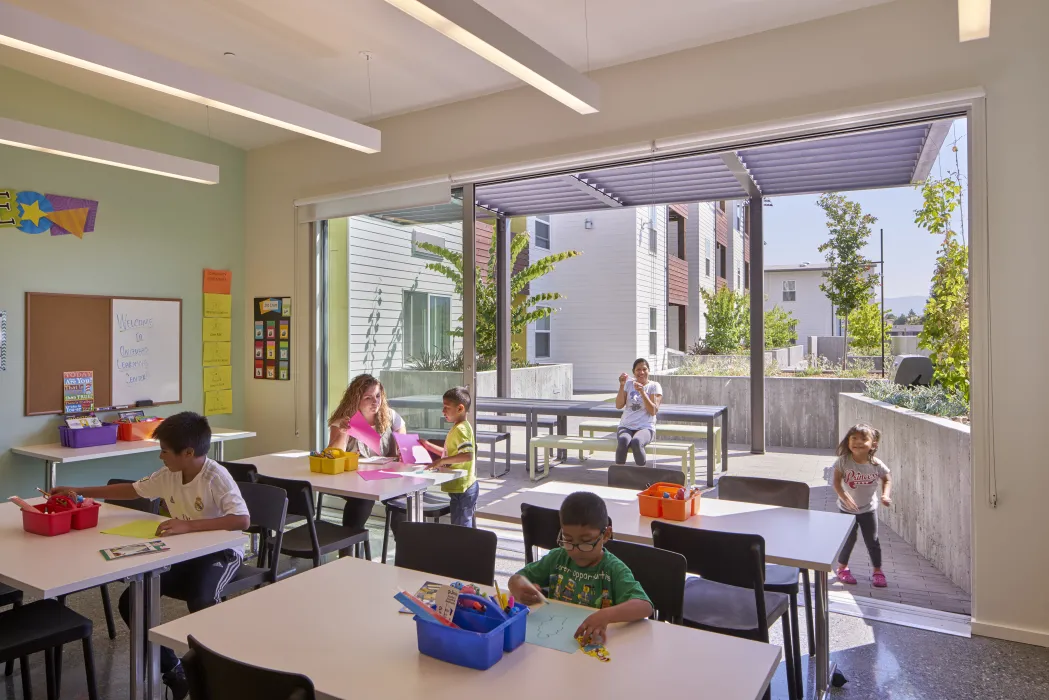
<point x="217" y="329"/>
<point x="146" y="529"/>
<point x="216" y="378"/>
<point x="217" y="305"/>
<point x="216" y="402"/>
<point x="216" y="354"/>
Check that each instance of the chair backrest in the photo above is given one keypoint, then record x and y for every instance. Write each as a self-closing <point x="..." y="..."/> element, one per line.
<point x="449" y="551"/>
<point x="725" y="557"/>
<point x="242" y="472"/>
<point x="300" y="494"/>
<point x="541" y="527"/>
<point x="268" y="509"/>
<point x="660" y="572"/>
<point x="769" y="492"/>
<point x="144" y="505"/>
<point x="624" y="476"/>
<point x="212" y="676"/>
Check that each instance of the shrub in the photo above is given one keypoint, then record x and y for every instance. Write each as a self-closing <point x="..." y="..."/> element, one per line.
<point x="728" y="366"/>
<point x="933" y="400"/>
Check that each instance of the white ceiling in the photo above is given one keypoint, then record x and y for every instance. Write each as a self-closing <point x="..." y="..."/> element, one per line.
<point x="309" y="50"/>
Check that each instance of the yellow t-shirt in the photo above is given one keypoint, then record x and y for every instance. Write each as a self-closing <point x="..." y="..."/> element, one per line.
<point x="460" y="440"/>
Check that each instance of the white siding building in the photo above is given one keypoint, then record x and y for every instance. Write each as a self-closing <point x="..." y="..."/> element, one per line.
<point x="796" y="288"/>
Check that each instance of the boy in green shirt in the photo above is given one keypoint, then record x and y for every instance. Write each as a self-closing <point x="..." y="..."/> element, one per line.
<point x="580" y="571"/>
<point x="458" y="453"/>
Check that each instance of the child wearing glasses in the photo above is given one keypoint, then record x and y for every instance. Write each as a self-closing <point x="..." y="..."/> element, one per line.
<point x="580" y="571"/>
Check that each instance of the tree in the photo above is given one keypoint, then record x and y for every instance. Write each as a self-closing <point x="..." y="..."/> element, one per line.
<point x="864" y="330"/>
<point x="522" y="311"/>
<point x="728" y="322"/>
<point x="945" y="332"/>
<point x="849" y="282"/>
<point x="780" y="328"/>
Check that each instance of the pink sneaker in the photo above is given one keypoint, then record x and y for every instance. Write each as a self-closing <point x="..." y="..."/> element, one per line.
<point x="845" y="576"/>
<point x="878" y="581"/>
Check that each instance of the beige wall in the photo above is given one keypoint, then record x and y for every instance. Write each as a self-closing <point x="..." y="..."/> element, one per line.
<point x="897" y="51"/>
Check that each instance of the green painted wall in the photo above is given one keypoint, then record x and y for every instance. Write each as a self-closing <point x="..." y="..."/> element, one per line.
<point x="153" y="237"/>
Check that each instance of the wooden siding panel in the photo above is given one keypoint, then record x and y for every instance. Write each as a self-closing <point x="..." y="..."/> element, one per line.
<point x="677" y="281"/>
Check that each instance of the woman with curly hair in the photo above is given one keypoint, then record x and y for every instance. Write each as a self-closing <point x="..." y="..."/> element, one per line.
<point x="365" y="394"/>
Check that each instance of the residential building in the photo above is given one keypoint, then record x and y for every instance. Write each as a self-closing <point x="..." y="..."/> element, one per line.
<point x="796" y="289"/>
<point x="718" y="251"/>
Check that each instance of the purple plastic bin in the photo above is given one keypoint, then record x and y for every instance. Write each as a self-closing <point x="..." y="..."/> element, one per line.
<point x="88" y="437"/>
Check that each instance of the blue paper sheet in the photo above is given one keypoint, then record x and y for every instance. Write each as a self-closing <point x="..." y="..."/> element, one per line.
<point x="553" y="625"/>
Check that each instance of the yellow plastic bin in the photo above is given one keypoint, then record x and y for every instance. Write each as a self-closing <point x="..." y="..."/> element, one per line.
<point x="324" y="465"/>
<point x="351" y="461"/>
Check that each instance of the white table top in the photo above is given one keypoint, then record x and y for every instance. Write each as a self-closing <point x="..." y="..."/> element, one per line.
<point x="338" y="625"/>
<point x="295" y="464"/>
<point x="808" y="539"/>
<point x="54" y="452"/>
<point x="54" y="566"/>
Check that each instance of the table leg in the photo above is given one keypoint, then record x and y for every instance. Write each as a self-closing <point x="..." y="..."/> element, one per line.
<point x="825" y="670"/>
<point x="50" y="475"/>
<point x="414" y="506"/>
<point x="724" y="440"/>
<point x="710" y="452"/>
<point x="220" y="450"/>
<point x="154" y="686"/>
<point x="137" y="633"/>
<point x="562" y="429"/>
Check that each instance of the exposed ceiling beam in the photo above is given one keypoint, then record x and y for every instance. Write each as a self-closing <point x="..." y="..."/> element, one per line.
<point x="739" y="169"/>
<point x="930" y="150"/>
<point x="592" y="190"/>
<point x="974" y="19"/>
<point x="472" y="26"/>
<point x="51" y="39"/>
<point x="64" y="143"/>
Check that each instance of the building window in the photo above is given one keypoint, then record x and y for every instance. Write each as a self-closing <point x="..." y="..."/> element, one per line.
<point x="721" y="260"/>
<point x="424" y="237"/>
<point x="739" y="278"/>
<point x="746" y="275"/>
<point x="653" y="230"/>
<point x="789" y="291"/>
<point x="542" y="337"/>
<point x="741" y="217"/>
<point x="653" y="331"/>
<point x="427" y="325"/>
<point x="707" y="247"/>
<point x="542" y="233"/>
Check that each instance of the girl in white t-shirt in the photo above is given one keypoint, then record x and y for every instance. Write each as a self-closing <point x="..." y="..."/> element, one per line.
<point x="639" y="400"/>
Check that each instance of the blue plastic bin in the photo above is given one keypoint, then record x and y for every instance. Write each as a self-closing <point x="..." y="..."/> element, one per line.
<point x="481" y="639"/>
<point x="516" y="628"/>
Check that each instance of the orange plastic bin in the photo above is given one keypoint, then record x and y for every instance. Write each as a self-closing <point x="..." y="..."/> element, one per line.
<point x="142" y="430"/>
<point x="653" y="504"/>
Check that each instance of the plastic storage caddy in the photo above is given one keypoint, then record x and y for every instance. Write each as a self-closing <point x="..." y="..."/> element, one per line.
<point x="88" y="437"/>
<point x="478" y="643"/>
<point x="48" y="524"/>
<point x="652" y="503"/>
<point x="143" y="430"/>
<point x="325" y="465"/>
<point x="86" y="517"/>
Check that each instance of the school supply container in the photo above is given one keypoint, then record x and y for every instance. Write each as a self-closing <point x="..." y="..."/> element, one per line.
<point x="352" y="460"/>
<point x="654" y="504"/>
<point x="478" y="642"/>
<point x="142" y="430"/>
<point x="88" y="437"/>
<point x="48" y="524"/>
<point x="325" y="465"/>
<point x="85" y="517"/>
<point x="516" y="627"/>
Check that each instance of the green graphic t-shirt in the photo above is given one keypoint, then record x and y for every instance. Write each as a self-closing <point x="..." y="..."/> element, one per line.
<point x="603" y="585"/>
<point x="460" y="440"/>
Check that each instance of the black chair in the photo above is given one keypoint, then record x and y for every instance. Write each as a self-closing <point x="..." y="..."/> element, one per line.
<point x="13" y="597"/>
<point x="628" y="477"/>
<point x="435" y="507"/>
<point x="268" y="508"/>
<point x="143" y="505"/>
<point x="45" y="626"/>
<point x="660" y="573"/>
<point x="212" y="676"/>
<point x="540" y="527"/>
<point x="241" y="472"/>
<point x="730" y="598"/>
<point x="314" y="538"/>
<point x="778" y="578"/>
<point x="450" y="551"/>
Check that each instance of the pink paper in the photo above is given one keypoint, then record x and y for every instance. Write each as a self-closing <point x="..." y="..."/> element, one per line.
<point x="376" y="474"/>
<point x="363" y="432"/>
<point x="412" y="452"/>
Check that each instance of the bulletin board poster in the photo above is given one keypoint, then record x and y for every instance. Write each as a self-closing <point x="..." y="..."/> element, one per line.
<point x="272" y="343"/>
<point x="78" y="392"/>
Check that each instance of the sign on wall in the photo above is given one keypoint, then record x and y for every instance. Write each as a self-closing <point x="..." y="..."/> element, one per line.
<point x="273" y="338"/>
<point x="32" y="212"/>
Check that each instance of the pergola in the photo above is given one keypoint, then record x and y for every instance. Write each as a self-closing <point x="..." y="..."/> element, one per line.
<point x="893" y="156"/>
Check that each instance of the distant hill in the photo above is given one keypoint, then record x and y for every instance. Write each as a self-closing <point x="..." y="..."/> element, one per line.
<point x="901" y="305"/>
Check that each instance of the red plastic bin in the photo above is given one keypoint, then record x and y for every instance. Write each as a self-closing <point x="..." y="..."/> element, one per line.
<point x="86" y="517"/>
<point x="49" y="524"/>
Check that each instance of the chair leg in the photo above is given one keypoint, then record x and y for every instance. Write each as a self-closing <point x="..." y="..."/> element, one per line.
<point x="27" y="687"/>
<point x="795" y="641"/>
<point x="58" y="671"/>
<point x="89" y="669"/>
<point x="807" y="591"/>
<point x="792" y="690"/>
<point x="49" y="673"/>
<point x="9" y="669"/>
<point x="107" y="608"/>
<point x="386" y="536"/>
<point x="368" y="549"/>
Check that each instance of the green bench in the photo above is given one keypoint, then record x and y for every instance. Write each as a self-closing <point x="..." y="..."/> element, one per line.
<point x="685" y="450"/>
<point x="689" y="432"/>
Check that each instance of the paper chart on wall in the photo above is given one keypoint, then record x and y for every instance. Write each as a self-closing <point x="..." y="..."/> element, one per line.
<point x="553" y="625"/>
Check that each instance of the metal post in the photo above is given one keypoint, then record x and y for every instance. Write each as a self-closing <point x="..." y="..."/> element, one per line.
<point x="502" y="305"/>
<point x="470" y="296"/>
<point x="881" y="324"/>
<point x="757" y="327"/>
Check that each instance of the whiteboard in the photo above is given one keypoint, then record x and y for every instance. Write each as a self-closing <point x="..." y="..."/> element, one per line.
<point x="147" y="351"/>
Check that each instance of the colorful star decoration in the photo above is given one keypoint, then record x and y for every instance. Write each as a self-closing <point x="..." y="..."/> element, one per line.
<point x="32" y="212"/>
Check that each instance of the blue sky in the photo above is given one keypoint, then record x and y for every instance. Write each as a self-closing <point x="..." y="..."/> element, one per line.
<point x="795" y="227"/>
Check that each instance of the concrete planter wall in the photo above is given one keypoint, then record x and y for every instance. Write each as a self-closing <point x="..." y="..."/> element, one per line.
<point x="784" y="357"/>
<point x="801" y="411"/>
<point x="932" y="480"/>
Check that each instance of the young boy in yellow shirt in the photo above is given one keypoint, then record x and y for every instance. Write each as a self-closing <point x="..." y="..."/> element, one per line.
<point x="458" y="453"/>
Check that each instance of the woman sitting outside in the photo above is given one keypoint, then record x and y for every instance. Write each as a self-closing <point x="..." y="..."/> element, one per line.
<point x="639" y="398"/>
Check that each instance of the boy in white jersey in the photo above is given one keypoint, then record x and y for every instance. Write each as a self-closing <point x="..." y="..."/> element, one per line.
<point x="200" y="495"/>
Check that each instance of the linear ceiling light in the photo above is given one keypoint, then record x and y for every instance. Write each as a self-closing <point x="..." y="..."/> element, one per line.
<point x="63" y="143"/>
<point x="45" y="37"/>
<point x="974" y="19"/>
<point x="474" y="27"/>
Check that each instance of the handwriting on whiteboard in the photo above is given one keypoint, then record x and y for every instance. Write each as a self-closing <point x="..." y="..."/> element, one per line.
<point x="132" y="363"/>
